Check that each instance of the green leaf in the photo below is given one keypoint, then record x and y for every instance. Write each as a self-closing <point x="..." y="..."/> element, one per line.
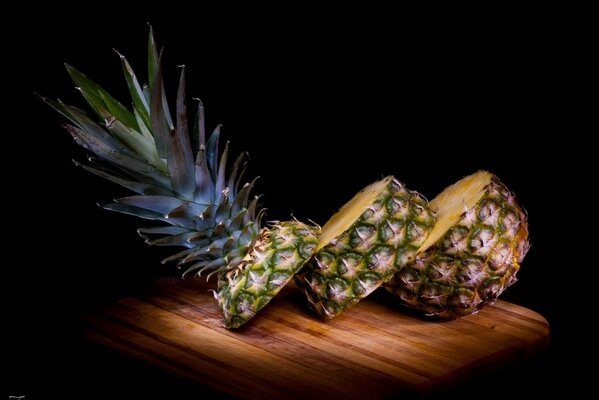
<point x="140" y="104"/>
<point x="99" y="99"/>
<point x="145" y="131"/>
<point x="136" y="142"/>
<point x="152" y="59"/>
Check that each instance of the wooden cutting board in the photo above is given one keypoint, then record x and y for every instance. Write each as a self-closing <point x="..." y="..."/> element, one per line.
<point x="375" y="350"/>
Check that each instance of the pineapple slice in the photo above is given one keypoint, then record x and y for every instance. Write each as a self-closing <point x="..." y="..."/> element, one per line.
<point x="472" y="254"/>
<point x="364" y="244"/>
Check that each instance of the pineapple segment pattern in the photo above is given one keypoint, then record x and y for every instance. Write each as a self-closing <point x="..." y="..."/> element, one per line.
<point x="364" y="252"/>
<point x="474" y="259"/>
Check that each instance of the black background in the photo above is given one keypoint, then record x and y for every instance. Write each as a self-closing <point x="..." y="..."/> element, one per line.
<point x="324" y="104"/>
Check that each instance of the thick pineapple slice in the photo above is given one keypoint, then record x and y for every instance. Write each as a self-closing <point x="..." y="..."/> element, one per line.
<point x="270" y="264"/>
<point x="472" y="253"/>
<point x="364" y="244"/>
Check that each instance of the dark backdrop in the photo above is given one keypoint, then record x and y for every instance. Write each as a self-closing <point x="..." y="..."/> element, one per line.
<point x="324" y="106"/>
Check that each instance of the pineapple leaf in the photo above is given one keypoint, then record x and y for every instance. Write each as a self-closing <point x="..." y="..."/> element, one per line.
<point x="137" y="187"/>
<point x="204" y="186"/>
<point x="152" y="59"/>
<point x="140" y="104"/>
<point x="99" y="99"/>
<point x="220" y="179"/>
<point x="136" y="142"/>
<point x="212" y="152"/>
<point x="137" y="212"/>
<point x="161" y="230"/>
<point x="182" y="239"/>
<point x="145" y="131"/>
<point x="160" y="204"/>
<point x="157" y="115"/>
<point x="198" y="139"/>
<point x="232" y="184"/>
<point x="242" y="198"/>
<point x="83" y="122"/>
<point x="143" y="171"/>
<point x="180" y="157"/>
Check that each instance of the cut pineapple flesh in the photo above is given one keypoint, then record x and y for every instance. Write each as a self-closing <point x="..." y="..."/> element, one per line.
<point x="351" y="211"/>
<point x="451" y="203"/>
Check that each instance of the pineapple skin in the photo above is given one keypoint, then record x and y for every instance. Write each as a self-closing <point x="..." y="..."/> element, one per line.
<point x="472" y="264"/>
<point x="382" y="240"/>
<point x="273" y="260"/>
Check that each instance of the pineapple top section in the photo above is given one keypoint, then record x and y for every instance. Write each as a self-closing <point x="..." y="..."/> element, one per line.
<point x="178" y="175"/>
<point x="351" y="211"/>
<point x="451" y="203"/>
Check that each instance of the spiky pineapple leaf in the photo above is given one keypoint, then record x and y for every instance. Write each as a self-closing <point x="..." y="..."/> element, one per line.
<point x="212" y="152"/>
<point x="145" y="131"/>
<point x="135" y="186"/>
<point x="152" y="59"/>
<point x="143" y="171"/>
<point x="198" y="137"/>
<point x="160" y="204"/>
<point x="80" y="119"/>
<point x="219" y="187"/>
<point x="161" y="230"/>
<point x="100" y="99"/>
<point x="204" y="186"/>
<point x="180" y="158"/>
<point x="160" y="125"/>
<point x="136" y="142"/>
<point x="140" y="103"/>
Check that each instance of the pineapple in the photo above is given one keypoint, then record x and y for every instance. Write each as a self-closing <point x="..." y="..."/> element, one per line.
<point x="364" y="244"/>
<point x="472" y="254"/>
<point x="181" y="182"/>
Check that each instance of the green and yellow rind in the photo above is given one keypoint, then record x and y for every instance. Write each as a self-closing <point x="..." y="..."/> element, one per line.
<point x="275" y="258"/>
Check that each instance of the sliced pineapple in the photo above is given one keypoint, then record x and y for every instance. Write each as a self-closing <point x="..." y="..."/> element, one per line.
<point x="364" y="244"/>
<point x="273" y="260"/>
<point x="472" y="254"/>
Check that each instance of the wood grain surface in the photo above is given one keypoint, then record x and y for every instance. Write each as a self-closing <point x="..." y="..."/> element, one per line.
<point x="375" y="350"/>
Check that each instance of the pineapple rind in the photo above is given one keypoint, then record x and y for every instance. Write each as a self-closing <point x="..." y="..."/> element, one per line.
<point x="383" y="238"/>
<point x="472" y="263"/>
<point x="273" y="260"/>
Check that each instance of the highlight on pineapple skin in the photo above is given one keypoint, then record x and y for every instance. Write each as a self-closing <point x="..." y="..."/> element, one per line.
<point x="473" y="262"/>
<point x="385" y="236"/>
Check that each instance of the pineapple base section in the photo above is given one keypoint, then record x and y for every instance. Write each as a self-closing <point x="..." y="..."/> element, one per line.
<point x="272" y="261"/>
<point x="364" y="244"/>
<point x="474" y="252"/>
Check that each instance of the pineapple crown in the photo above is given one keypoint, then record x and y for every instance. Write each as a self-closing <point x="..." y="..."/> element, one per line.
<point x="200" y="206"/>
